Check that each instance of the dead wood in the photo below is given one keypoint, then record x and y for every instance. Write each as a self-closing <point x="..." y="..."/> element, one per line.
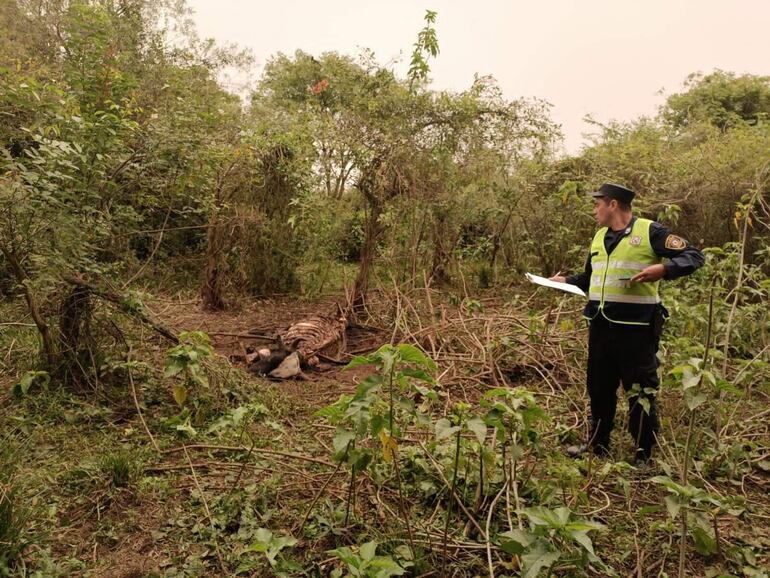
<point x="126" y="305"/>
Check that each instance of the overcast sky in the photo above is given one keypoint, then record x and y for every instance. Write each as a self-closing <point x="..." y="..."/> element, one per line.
<point x="606" y="58"/>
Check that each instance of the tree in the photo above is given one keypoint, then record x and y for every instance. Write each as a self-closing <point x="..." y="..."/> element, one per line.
<point x="721" y="98"/>
<point x="396" y="143"/>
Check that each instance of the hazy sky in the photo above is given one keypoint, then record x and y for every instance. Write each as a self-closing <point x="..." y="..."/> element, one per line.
<point x="607" y="58"/>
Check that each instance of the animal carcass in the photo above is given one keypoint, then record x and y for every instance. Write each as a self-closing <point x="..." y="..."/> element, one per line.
<point x="300" y="345"/>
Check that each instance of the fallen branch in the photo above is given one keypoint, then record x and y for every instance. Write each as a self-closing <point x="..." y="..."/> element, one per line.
<point x="125" y="305"/>
<point x="256" y="450"/>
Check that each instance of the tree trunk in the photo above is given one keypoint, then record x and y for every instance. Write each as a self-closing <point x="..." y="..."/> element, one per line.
<point x="438" y="272"/>
<point x="74" y="322"/>
<point x="126" y="305"/>
<point x="372" y="233"/>
<point x="496" y="241"/>
<point x="49" y="347"/>
<point x="211" y="289"/>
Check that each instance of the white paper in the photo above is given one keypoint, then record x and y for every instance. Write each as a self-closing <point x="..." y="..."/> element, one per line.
<point x="555" y="284"/>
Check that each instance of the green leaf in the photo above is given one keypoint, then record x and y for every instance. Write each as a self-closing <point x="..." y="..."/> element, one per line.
<point x="30" y="378"/>
<point x="726" y="386"/>
<point x="358" y="361"/>
<point x="479" y="428"/>
<point x="378" y="422"/>
<point x="180" y="393"/>
<point x="445" y="429"/>
<point x="367" y="386"/>
<point x="515" y="541"/>
<point x="541" y="516"/>
<point x="368" y="550"/>
<point x="418" y="374"/>
<point x="583" y="539"/>
<point x="584" y="526"/>
<point x="673" y="505"/>
<point x="410" y="354"/>
<point x="537" y="559"/>
<point x="645" y="510"/>
<point x="334" y="411"/>
<point x="695" y="400"/>
<point x="342" y="439"/>
<point x="359" y="460"/>
<point x="690" y="379"/>
<point x="384" y="567"/>
<point x="173" y="367"/>
<point x="263" y="537"/>
<point x="186" y="429"/>
<point x="280" y="542"/>
<point x="238" y="414"/>
<point x="704" y="540"/>
<point x="269" y="544"/>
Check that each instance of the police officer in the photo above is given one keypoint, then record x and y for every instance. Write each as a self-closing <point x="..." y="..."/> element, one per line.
<point x="622" y="275"/>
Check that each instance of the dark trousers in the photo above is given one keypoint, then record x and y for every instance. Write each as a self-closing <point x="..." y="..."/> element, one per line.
<point x="622" y="354"/>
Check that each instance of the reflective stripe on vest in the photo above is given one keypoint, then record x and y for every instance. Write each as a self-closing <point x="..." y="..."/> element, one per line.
<point x="610" y="279"/>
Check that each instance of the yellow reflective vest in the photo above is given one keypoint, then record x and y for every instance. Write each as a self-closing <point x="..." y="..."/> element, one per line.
<point x="611" y="293"/>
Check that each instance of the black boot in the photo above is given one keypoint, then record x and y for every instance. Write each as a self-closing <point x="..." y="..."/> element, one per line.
<point x="578" y="450"/>
<point x="642" y="456"/>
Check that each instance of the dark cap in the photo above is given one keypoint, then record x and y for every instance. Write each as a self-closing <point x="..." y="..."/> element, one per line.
<point x="612" y="191"/>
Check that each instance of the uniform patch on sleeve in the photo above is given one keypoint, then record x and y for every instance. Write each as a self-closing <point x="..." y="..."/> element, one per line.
<point x="675" y="243"/>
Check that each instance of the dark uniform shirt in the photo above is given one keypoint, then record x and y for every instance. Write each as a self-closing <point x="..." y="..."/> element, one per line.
<point x="683" y="258"/>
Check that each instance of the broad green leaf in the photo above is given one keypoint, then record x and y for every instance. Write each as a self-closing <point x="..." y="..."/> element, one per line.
<point x="542" y="516"/>
<point x="263" y="537"/>
<point x="673" y="505"/>
<point x="515" y="541"/>
<point x="180" y="393"/>
<point x="584" y="526"/>
<point x="410" y="354"/>
<point x="668" y="483"/>
<point x="445" y="429"/>
<point x="384" y="567"/>
<point x="173" y="367"/>
<point x="345" y="554"/>
<point x="358" y="361"/>
<point x="238" y="414"/>
<point x="705" y="543"/>
<point x="378" y="422"/>
<point x="280" y="542"/>
<point x="695" y="400"/>
<point x="368" y="550"/>
<point x="367" y="386"/>
<point x="342" y="439"/>
<point x="583" y="539"/>
<point x="29" y="378"/>
<point x="537" y="559"/>
<point x="690" y="379"/>
<point x="359" y="460"/>
<point x="726" y="386"/>
<point x="186" y="429"/>
<point x="418" y="374"/>
<point x="479" y="428"/>
<point x="334" y="411"/>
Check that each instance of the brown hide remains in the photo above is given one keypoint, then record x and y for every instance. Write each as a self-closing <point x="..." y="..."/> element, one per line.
<point x="299" y="346"/>
<point x="312" y="335"/>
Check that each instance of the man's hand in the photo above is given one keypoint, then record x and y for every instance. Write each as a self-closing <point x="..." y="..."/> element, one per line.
<point x="650" y="274"/>
<point x="558" y="278"/>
